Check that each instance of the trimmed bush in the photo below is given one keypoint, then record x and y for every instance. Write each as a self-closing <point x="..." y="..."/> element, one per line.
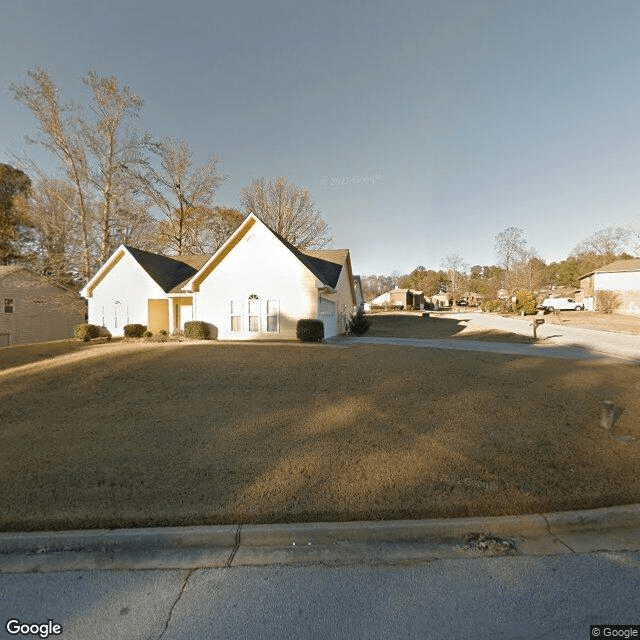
<point x="196" y="330"/>
<point x="86" y="332"/>
<point x="358" y="323"/>
<point x="525" y="301"/>
<point x="308" y="330"/>
<point x="492" y="305"/>
<point x="134" y="330"/>
<point x="103" y="332"/>
<point x="163" y="332"/>
<point x="147" y="334"/>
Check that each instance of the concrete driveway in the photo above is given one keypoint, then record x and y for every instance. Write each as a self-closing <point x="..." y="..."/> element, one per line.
<point x="554" y="341"/>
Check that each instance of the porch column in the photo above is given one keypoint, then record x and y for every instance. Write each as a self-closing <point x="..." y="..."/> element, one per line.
<point x="172" y="316"/>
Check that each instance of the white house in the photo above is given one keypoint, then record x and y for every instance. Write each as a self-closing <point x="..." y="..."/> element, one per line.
<point x="621" y="277"/>
<point x="256" y="286"/>
<point x="135" y="286"/>
<point x="35" y="308"/>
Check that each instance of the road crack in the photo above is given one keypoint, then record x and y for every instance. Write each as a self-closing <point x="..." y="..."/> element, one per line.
<point x="184" y="579"/>
<point x="554" y="536"/>
<point x="236" y="546"/>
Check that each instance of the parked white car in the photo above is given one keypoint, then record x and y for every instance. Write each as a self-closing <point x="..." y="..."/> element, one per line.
<point x="561" y="304"/>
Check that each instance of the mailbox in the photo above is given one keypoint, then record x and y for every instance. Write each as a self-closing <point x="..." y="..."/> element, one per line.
<point x="535" y="323"/>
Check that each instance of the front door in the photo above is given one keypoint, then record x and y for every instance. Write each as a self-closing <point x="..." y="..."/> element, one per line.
<point x="158" y="315"/>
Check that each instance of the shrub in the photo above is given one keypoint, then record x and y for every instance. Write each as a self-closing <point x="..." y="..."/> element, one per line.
<point x="492" y="305"/>
<point x="607" y="301"/>
<point x="525" y="301"/>
<point x="147" y="334"/>
<point x="86" y="332"/>
<point x="163" y="332"/>
<point x="134" y="330"/>
<point x="358" y="323"/>
<point x="196" y="330"/>
<point x="308" y="330"/>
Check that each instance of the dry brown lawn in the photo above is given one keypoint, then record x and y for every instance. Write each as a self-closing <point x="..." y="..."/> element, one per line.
<point x="413" y="325"/>
<point x="139" y="434"/>
<point x="615" y="322"/>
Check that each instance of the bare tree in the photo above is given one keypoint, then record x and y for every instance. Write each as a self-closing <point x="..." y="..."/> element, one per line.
<point x="115" y="152"/>
<point x="219" y="227"/>
<point x="56" y="245"/>
<point x="288" y="210"/>
<point x="183" y="194"/>
<point x="511" y="250"/>
<point x="634" y="237"/>
<point x="96" y="149"/>
<point x="602" y="246"/>
<point x="59" y="133"/>
<point x="456" y="270"/>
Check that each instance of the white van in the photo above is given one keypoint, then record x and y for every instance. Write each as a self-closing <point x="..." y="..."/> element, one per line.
<point x="561" y="304"/>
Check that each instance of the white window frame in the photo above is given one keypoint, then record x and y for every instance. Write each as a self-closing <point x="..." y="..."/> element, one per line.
<point x="271" y="304"/>
<point x="236" y="313"/>
<point x="251" y="312"/>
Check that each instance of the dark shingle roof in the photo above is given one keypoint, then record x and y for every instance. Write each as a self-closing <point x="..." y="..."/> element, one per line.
<point x="167" y="272"/>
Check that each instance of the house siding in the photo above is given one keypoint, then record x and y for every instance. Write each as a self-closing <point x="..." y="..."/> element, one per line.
<point x="42" y="310"/>
<point x="626" y="284"/>
<point x="345" y="303"/>
<point x="122" y="296"/>
<point x="259" y="265"/>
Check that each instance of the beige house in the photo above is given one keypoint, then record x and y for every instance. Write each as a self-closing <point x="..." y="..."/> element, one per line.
<point x="255" y="287"/>
<point x="621" y="277"/>
<point x="399" y="299"/>
<point x="35" y="308"/>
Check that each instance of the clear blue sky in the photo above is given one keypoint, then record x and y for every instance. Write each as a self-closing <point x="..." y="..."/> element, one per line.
<point x="422" y="128"/>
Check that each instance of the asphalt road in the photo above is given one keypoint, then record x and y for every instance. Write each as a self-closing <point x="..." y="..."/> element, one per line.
<point x="556" y="597"/>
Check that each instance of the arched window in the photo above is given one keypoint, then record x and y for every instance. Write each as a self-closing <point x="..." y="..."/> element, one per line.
<point x="254" y="313"/>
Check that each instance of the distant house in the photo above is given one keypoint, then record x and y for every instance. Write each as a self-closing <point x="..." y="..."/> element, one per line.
<point x="35" y="308"/>
<point x="442" y="300"/>
<point x="621" y="277"/>
<point x="399" y="299"/>
<point x="471" y="298"/>
<point x="256" y="286"/>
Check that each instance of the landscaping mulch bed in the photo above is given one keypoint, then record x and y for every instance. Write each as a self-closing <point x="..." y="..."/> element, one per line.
<point x="141" y="434"/>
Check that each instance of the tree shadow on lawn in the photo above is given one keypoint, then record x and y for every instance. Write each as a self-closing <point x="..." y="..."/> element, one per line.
<point x="218" y="434"/>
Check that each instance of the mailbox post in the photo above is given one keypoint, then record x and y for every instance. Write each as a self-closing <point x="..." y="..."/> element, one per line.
<point x="535" y="323"/>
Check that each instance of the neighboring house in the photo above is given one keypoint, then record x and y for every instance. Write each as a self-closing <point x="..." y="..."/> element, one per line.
<point x="442" y="300"/>
<point x="35" y="308"/>
<point x="622" y="277"/>
<point x="256" y="286"/>
<point x="472" y="298"/>
<point x="399" y="299"/>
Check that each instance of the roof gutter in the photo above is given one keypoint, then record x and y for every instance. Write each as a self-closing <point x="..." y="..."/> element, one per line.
<point x="326" y="289"/>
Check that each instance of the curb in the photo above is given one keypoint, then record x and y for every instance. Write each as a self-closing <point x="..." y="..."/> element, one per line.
<point x="379" y="542"/>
